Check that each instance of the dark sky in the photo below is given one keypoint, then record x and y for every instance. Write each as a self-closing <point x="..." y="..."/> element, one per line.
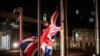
<point x="29" y="6"/>
<point x="29" y="9"/>
<point x="81" y="20"/>
<point x="48" y="6"/>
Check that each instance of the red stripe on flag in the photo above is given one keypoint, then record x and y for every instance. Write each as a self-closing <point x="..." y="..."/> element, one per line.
<point x="54" y="17"/>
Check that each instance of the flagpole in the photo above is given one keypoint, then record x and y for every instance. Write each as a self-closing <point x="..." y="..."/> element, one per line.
<point x="20" y="19"/>
<point x="64" y="31"/>
<point x="66" y="27"/>
<point x="97" y="28"/>
<point x="39" y="26"/>
<point x="20" y="26"/>
<point x="62" y="52"/>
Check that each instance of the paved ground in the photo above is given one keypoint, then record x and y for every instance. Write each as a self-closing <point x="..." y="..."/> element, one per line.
<point x="75" y="52"/>
<point x="72" y="52"/>
<point x="9" y="53"/>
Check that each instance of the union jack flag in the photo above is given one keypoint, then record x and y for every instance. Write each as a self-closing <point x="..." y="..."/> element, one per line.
<point x="46" y="39"/>
<point x="29" y="46"/>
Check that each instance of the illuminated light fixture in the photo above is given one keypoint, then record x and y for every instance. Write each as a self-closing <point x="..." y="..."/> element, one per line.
<point x="15" y="45"/>
<point x="91" y="19"/>
<point x="44" y="17"/>
<point x="94" y="55"/>
<point x="14" y="25"/>
<point x="76" y="34"/>
<point x="77" y="11"/>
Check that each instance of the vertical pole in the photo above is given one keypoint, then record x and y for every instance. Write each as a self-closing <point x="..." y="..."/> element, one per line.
<point x="62" y="41"/>
<point x="97" y="28"/>
<point x="64" y="31"/>
<point x="21" y="26"/>
<point x="39" y="26"/>
<point x="66" y="26"/>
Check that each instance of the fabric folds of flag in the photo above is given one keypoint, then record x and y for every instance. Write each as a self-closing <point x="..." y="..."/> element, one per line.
<point x="29" y="46"/>
<point x="46" y="39"/>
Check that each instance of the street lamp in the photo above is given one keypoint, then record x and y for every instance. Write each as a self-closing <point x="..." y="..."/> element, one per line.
<point x="15" y="45"/>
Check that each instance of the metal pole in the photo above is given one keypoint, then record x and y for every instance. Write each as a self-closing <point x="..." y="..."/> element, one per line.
<point x="20" y="19"/>
<point x="66" y="27"/>
<point x="63" y="51"/>
<point x="21" y="26"/>
<point x="97" y="28"/>
<point x="39" y="27"/>
<point x="64" y="31"/>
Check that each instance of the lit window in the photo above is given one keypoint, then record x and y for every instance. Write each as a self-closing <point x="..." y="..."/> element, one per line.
<point x="44" y="17"/>
<point x="76" y="36"/>
<point x="5" y="42"/>
<point x="77" y="11"/>
<point x="92" y="13"/>
<point x="91" y="19"/>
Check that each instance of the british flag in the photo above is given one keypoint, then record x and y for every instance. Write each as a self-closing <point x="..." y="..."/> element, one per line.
<point x="46" y="39"/>
<point x="29" y="46"/>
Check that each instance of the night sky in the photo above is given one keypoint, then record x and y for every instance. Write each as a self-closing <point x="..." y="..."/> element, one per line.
<point x="80" y="13"/>
<point x="85" y="9"/>
<point x="29" y="9"/>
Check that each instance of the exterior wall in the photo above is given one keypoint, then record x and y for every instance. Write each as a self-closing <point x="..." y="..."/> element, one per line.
<point x="84" y="39"/>
<point x="5" y="40"/>
<point x="15" y="37"/>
